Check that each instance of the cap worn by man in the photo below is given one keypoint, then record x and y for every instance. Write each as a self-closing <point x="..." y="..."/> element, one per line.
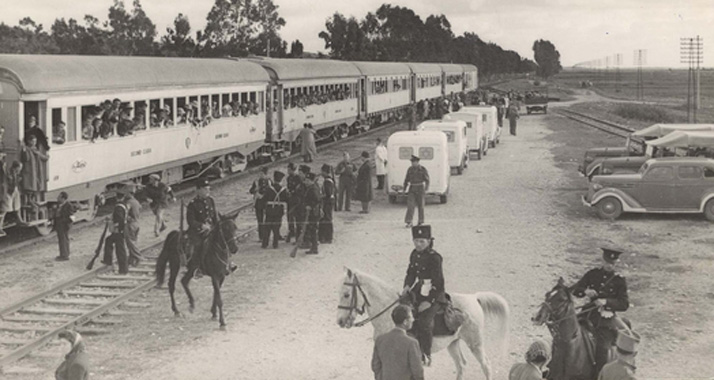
<point x="326" y="168"/>
<point x="278" y="176"/>
<point x="610" y="254"/>
<point x="202" y="183"/>
<point x="414" y="158"/>
<point x="627" y="342"/>
<point x="421" y="232"/>
<point x="155" y="177"/>
<point x="305" y="169"/>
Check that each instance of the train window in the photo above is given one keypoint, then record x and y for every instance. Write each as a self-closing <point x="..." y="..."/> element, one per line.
<point x="59" y="127"/>
<point x="193" y="109"/>
<point x="405" y="84"/>
<point x="88" y="116"/>
<point x="426" y="153"/>
<point x="395" y="85"/>
<point x="226" y="109"/>
<point x="154" y="109"/>
<point x="405" y="152"/>
<point x="167" y="112"/>
<point x="32" y="115"/>
<point x="262" y="100"/>
<point x="216" y="106"/>
<point x="71" y="124"/>
<point x="140" y="115"/>
<point x="181" y="110"/>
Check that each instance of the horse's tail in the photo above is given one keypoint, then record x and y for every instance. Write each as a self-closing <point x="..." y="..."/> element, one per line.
<point x="160" y="270"/>
<point x="496" y="308"/>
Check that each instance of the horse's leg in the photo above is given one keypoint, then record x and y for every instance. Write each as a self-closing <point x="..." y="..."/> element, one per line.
<point x="477" y="349"/>
<point x="214" y="305"/>
<point x="174" y="265"/>
<point x="184" y="281"/>
<point x="217" y="282"/>
<point x="455" y="351"/>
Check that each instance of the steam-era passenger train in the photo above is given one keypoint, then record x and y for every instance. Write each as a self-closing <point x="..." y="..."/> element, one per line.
<point x="191" y="115"/>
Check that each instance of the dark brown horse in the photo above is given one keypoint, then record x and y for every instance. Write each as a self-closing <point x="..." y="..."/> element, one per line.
<point x="221" y="243"/>
<point x="573" y="346"/>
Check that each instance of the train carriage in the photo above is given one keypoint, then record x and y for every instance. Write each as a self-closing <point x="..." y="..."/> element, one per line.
<point x="195" y="113"/>
<point x="452" y="78"/>
<point x="470" y="78"/>
<point x="427" y="81"/>
<point x="321" y="92"/>
<point x="385" y="89"/>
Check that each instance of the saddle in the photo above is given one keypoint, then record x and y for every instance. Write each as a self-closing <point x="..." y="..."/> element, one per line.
<point x="448" y="318"/>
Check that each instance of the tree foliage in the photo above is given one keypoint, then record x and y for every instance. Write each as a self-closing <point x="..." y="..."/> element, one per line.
<point x="178" y="41"/>
<point x="547" y="58"/>
<point x="296" y="49"/>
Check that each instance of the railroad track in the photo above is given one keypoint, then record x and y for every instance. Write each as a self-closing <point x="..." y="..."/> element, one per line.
<point x="88" y="301"/>
<point x="603" y="125"/>
<point x="27" y="237"/>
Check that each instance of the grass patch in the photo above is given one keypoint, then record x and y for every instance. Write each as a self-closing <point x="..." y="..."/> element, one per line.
<point x="644" y="112"/>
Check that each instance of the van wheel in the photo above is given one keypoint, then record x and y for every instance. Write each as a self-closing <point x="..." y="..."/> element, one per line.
<point x="392" y="199"/>
<point x="709" y="210"/>
<point x="442" y="198"/>
<point x="460" y="169"/>
<point x="609" y="208"/>
<point x="478" y="154"/>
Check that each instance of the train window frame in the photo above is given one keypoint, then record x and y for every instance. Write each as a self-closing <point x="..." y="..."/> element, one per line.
<point x="137" y="104"/>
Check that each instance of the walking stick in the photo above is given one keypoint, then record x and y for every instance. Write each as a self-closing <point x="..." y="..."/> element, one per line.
<point x="99" y="247"/>
<point x="300" y="238"/>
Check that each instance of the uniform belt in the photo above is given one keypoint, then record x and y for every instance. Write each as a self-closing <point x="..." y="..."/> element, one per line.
<point x="417" y="184"/>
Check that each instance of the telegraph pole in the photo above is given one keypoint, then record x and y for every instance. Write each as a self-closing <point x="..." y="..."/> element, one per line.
<point x="618" y="63"/>
<point x="640" y="58"/>
<point x="692" y="53"/>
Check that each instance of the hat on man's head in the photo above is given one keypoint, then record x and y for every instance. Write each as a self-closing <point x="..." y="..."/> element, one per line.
<point x="365" y="154"/>
<point x="610" y="254"/>
<point x="414" y="158"/>
<point x="421" y="232"/>
<point x="278" y="176"/>
<point x="126" y="188"/>
<point x="538" y="348"/>
<point x="201" y="183"/>
<point x="155" y="176"/>
<point x="305" y="169"/>
<point x="627" y="341"/>
<point x="326" y="168"/>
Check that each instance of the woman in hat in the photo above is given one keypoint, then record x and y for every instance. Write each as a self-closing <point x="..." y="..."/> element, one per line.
<point x="537" y="357"/>
<point x="424" y="282"/>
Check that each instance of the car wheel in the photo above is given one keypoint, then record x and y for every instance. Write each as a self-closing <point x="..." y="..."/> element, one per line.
<point x="709" y="210"/>
<point x="442" y="198"/>
<point x="460" y="169"/>
<point x="609" y="208"/>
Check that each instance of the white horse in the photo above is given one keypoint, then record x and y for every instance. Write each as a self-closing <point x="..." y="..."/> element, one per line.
<point x="360" y="292"/>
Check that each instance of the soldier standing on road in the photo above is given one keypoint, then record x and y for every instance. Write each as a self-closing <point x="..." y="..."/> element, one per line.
<point x="607" y="292"/>
<point x="295" y="191"/>
<point x="623" y="368"/>
<point x="62" y="224"/>
<point x="276" y="197"/>
<point x="326" y="230"/>
<point x="380" y="163"/>
<point x="132" y="225"/>
<point x="500" y="111"/>
<point x="116" y="241"/>
<point x="346" y="170"/>
<point x="201" y="217"/>
<point x="312" y="212"/>
<point x="416" y="184"/>
<point x="513" y="116"/>
<point x="363" y="188"/>
<point x="396" y="354"/>
<point x="258" y="191"/>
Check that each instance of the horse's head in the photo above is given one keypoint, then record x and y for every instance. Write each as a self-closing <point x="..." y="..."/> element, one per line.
<point x="555" y="306"/>
<point x="349" y="299"/>
<point x="229" y="233"/>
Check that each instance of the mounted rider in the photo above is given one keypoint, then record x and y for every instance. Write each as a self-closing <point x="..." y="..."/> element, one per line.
<point x="424" y="282"/>
<point x="202" y="217"/>
<point x="607" y="293"/>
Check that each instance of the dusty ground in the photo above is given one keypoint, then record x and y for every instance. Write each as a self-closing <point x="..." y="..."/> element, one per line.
<point x="513" y="225"/>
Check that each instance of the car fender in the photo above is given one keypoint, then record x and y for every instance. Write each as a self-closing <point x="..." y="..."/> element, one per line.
<point x="629" y="204"/>
<point x="709" y="195"/>
<point x="593" y="167"/>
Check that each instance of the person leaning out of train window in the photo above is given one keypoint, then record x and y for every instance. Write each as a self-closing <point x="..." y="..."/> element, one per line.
<point x="126" y="125"/>
<point x="59" y="133"/>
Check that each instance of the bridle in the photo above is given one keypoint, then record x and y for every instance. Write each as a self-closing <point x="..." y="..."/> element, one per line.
<point x="551" y="313"/>
<point x="353" y="307"/>
<point x="224" y="249"/>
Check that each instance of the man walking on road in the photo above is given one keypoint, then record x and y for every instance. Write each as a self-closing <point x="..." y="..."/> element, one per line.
<point x="396" y="355"/>
<point x="346" y="170"/>
<point x="363" y="188"/>
<point x="380" y="163"/>
<point x="416" y="184"/>
<point x="513" y="116"/>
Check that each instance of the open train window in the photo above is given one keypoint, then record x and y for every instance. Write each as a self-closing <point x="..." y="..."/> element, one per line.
<point x="59" y="127"/>
<point x="140" y="115"/>
<point x="181" y="110"/>
<point x="168" y="112"/>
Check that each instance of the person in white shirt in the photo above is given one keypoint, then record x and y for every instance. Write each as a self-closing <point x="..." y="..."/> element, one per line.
<point x="380" y="161"/>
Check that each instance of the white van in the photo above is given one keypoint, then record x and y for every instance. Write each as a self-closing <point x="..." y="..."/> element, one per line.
<point x="489" y="121"/>
<point x="476" y="138"/>
<point x="431" y="148"/>
<point x="455" y="131"/>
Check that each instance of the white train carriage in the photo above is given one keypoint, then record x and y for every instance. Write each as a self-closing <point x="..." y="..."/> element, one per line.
<point x="489" y="121"/>
<point x="427" y="81"/>
<point x="470" y="78"/>
<point x="452" y="78"/>
<point x="68" y="89"/>
<point x="321" y="92"/>
<point x="432" y="149"/>
<point x="385" y="89"/>
<point x="455" y="131"/>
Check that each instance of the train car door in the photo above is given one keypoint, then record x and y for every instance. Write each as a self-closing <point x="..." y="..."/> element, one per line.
<point x="412" y="87"/>
<point x="278" y="116"/>
<point x="269" y="112"/>
<point x="363" y="96"/>
<point x="443" y="83"/>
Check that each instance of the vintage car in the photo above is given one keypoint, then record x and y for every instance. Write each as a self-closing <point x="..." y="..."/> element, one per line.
<point x="634" y="146"/>
<point x="662" y="185"/>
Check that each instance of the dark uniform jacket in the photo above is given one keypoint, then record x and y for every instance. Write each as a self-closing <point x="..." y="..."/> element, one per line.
<point x="422" y="266"/>
<point x="294" y="184"/>
<point x="159" y="195"/>
<point x="119" y="216"/>
<point x="199" y="211"/>
<point x="313" y="199"/>
<point x="363" y="189"/>
<point x="276" y="201"/>
<point x="346" y="171"/>
<point x="609" y="286"/>
<point x="328" y="193"/>
<point x="415" y="176"/>
<point x="258" y="190"/>
<point x="63" y="219"/>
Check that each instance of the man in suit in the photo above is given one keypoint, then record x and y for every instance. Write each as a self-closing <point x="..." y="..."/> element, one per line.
<point x="62" y="224"/>
<point x="396" y="355"/>
<point x="623" y="368"/>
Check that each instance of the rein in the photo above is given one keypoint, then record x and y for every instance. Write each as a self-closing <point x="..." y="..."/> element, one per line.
<point x="223" y="249"/>
<point x="356" y="285"/>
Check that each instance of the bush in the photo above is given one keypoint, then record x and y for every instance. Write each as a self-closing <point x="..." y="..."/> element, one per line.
<point x="536" y="82"/>
<point x="644" y="112"/>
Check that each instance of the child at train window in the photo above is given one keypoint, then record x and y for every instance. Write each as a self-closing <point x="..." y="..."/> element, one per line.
<point x="59" y="133"/>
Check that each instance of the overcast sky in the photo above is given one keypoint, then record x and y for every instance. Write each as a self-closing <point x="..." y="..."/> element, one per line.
<point x="581" y="30"/>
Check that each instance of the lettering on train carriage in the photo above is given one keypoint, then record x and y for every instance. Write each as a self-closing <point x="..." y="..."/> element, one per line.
<point x="146" y="151"/>
<point x="79" y="165"/>
<point x="136" y="153"/>
<point x="221" y="136"/>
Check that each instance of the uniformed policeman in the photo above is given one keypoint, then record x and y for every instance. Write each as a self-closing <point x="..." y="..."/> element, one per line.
<point x="276" y="204"/>
<point x="257" y="190"/>
<point x="425" y="283"/>
<point x="201" y="216"/>
<point x="294" y="185"/>
<point x="416" y="184"/>
<point x="607" y="293"/>
<point x="312" y="213"/>
<point x="326" y="230"/>
<point x="116" y="241"/>
<point x="623" y="368"/>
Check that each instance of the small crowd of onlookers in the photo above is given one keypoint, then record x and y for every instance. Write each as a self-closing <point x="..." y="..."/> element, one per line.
<point x="303" y="100"/>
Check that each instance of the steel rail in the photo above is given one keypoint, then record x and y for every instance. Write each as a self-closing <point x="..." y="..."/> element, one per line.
<point x="605" y="126"/>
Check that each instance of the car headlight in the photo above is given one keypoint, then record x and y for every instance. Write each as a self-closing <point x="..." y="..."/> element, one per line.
<point x="606" y="171"/>
<point x="597" y="186"/>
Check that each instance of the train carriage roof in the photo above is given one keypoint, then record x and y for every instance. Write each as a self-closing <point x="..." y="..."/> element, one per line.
<point x="286" y="69"/>
<point x="469" y="68"/>
<point x="67" y="73"/>
<point x="383" y="68"/>
<point x="425" y="68"/>
<point x="451" y="68"/>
